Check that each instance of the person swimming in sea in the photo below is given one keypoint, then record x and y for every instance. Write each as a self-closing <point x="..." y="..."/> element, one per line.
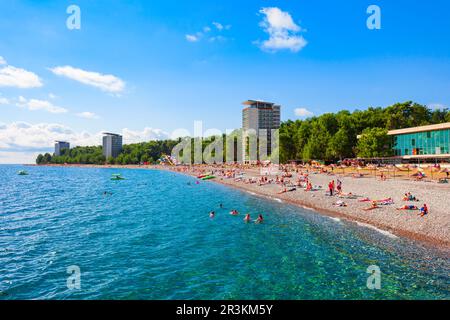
<point x="247" y="218"/>
<point x="221" y="206"/>
<point x="212" y="214"/>
<point x="260" y="219"/>
<point x="234" y="213"/>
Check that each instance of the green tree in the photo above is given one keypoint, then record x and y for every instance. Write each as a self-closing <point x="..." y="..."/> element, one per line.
<point x="317" y="146"/>
<point x="374" y="142"/>
<point x="40" y="159"/>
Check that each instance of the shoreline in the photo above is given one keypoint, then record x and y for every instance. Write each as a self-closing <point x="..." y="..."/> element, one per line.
<point x="383" y="228"/>
<point x="315" y="204"/>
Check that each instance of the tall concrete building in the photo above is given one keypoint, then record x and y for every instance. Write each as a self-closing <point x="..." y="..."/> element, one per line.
<point x="259" y="115"/>
<point x="60" y="146"/>
<point x="112" y="145"/>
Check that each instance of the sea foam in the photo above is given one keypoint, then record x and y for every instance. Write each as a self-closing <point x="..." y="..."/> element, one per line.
<point x="384" y="232"/>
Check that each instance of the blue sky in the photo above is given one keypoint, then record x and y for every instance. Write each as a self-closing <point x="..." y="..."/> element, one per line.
<point x="146" y="68"/>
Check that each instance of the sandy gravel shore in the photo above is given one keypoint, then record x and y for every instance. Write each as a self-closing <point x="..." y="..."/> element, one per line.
<point x="433" y="228"/>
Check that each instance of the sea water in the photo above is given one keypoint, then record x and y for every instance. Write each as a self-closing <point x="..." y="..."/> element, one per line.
<point x="152" y="238"/>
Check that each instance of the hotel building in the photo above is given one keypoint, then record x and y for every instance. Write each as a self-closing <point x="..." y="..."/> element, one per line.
<point x="261" y="117"/>
<point x="112" y="145"/>
<point x="60" y="146"/>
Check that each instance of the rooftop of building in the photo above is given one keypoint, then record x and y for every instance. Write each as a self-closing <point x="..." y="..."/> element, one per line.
<point x="61" y="142"/>
<point x="257" y="102"/>
<point x="433" y="127"/>
<point x="111" y="134"/>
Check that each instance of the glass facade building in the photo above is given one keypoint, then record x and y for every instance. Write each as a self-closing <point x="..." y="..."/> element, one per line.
<point x="423" y="142"/>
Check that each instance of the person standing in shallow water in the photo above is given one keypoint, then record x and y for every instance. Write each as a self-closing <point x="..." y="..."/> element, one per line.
<point x="247" y="218"/>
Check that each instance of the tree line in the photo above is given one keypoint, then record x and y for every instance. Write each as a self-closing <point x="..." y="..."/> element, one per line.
<point x="334" y="136"/>
<point x="328" y="137"/>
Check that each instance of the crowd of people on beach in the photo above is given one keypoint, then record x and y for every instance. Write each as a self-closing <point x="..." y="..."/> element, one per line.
<point x="291" y="178"/>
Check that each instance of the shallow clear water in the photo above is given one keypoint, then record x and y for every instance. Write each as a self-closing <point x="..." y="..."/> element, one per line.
<point x="153" y="239"/>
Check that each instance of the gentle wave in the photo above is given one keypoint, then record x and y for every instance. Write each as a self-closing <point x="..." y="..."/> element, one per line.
<point x="384" y="232"/>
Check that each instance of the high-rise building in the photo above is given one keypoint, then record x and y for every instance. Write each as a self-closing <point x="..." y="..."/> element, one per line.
<point x="261" y="117"/>
<point x="112" y="145"/>
<point x="60" y="146"/>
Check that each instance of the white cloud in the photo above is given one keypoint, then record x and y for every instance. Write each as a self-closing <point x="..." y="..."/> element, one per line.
<point x="20" y="78"/>
<point x="23" y="136"/>
<point x="207" y="29"/>
<point x="2" y="60"/>
<point x="218" y="25"/>
<point x="52" y="96"/>
<point x="191" y="38"/>
<point x="104" y="82"/>
<point x="302" y="112"/>
<point x="147" y="134"/>
<point x="217" y="38"/>
<point x="37" y="105"/>
<point x="17" y="157"/>
<point x="283" y="31"/>
<point x="4" y="100"/>
<point x="87" y="115"/>
<point x="20" y="142"/>
<point x="221" y="27"/>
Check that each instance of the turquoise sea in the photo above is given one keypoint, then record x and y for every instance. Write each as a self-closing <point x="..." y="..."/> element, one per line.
<point x="153" y="239"/>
